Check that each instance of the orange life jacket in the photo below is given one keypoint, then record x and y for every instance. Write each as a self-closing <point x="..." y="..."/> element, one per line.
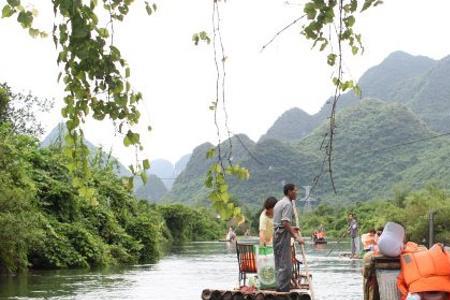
<point x="424" y="271"/>
<point x="320" y="235"/>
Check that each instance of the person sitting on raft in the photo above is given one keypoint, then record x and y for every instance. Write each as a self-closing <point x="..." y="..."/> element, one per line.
<point x="369" y="240"/>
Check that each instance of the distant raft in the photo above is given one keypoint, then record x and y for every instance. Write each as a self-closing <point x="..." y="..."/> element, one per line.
<point x="319" y="237"/>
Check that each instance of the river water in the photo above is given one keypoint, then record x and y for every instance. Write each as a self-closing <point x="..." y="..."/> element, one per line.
<point x="181" y="275"/>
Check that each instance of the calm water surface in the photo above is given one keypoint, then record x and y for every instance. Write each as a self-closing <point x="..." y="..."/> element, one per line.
<point x="181" y="275"/>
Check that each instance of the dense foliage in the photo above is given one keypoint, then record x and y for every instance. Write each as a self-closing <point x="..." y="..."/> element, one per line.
<point x="46" y="221"/>
<point x="409" y="208"/>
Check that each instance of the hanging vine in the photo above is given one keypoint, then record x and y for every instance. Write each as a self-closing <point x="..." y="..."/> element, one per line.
<point x="222" y="167"/>
<point x="331" y="23"/>
<point x="94" y="73"/>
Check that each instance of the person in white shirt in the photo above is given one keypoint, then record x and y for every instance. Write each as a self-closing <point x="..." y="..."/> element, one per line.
<point x="283" y="217"/>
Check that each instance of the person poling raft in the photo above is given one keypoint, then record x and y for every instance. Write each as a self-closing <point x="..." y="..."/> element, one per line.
<point x="283" y="214"/>
<point x="231" y="235"/>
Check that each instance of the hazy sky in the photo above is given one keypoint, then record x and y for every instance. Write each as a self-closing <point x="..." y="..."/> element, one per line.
<point x="177" y="78"/>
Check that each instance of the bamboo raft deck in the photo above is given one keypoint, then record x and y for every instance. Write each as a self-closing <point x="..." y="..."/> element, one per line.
<point x="302" y="292"/>
<point x="295" y="294"/>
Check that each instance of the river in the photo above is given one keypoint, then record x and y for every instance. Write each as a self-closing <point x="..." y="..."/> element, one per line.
<point x="182" y="274"/>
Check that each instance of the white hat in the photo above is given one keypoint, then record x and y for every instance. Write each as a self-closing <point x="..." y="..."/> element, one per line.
<point x="390" y="242"/>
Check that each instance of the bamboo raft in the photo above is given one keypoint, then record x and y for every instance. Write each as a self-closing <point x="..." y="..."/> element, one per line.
<point x="297" y="294"/>
<point x="302" y="292"/>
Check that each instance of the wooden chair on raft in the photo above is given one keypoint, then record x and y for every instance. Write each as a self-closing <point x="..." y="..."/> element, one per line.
<point x="247" y="262"/>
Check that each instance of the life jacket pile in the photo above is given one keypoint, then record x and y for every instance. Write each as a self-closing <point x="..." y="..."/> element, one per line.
<point x="424" y="271"/>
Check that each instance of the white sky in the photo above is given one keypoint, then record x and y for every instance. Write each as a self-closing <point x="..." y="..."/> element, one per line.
<point x="177" y="78"/>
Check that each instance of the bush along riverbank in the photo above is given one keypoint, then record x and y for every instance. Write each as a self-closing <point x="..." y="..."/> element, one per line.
<point x="45" y="222"/>
<point x="409" y="208"/>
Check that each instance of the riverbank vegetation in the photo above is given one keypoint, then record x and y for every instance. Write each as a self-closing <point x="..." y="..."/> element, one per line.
<point x="409" y="208"/>
<point x="46" y="221"/>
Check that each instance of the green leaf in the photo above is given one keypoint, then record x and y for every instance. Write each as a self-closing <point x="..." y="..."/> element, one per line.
<point x="310" y="10"/>
<point x="146" y="164"/>
<point x="331" y="59"/>
<point x="367" y="4"/>
<point x="148" y="8"/>
<point x="7" y="11"/>
<point x="378" y="2"/>
<point x="353" y="5"/>
<point x="211" y="152"/>
<point x="349" y="21"/>
<point x="14" y="3"/>
<point x="357" y="90"/>
<point x="33" y="32"/>
<point x="144" y="177"/>
<point x="336" y="81"/>
<point x="103" y="32"/>
<point x="204" y="36"/>
<point x="324" y="45"/>
<point x="346" y="85"/>
<point x="127" y="72"/>
<point x="127" y="141"/>
<point x="195" y="38"/>
<point x="25" y="18"/>
<point x="135" y="138"/>
<point x="93" y="4"/>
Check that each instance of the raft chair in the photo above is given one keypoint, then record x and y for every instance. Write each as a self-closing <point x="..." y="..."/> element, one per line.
<point x="247" y="262"/>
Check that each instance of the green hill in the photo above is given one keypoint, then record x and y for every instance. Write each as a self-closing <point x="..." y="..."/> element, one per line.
<point x="432" y="100"/>
<point x="189" y="185"/>
<point x="416" y="81"/>
<point x="152" y="191"/>
<point x="364" y="164"/>
<point x="294" y="124"/>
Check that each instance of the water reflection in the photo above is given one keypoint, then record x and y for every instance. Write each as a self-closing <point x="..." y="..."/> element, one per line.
<point x="180" y="275"/>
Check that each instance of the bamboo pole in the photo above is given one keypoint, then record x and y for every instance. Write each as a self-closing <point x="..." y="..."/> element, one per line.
<point x="302" y="247"/>
<point x="337" y="243"/>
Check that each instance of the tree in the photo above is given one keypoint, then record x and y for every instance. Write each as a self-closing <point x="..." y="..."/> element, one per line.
<point x="19" y="110"/>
